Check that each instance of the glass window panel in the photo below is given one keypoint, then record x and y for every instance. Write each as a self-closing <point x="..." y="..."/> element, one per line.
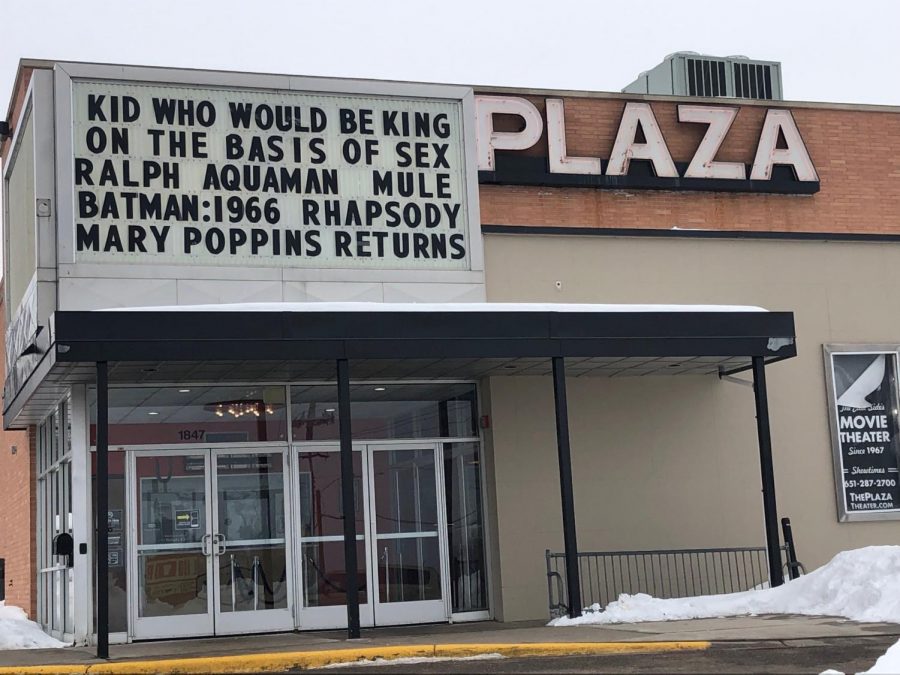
<point x="68" y="469"/>
<point x="405" y="497"/>
<point x="321" y="514"/>
<point x="41" y="449"/>
<point x="386" y="411"/>
<point x="178" y="415"/>
<point x="251" y="496"/>
<point x="172" y="503"/>
<point x="171" y="523"/>
<point x="253" y="578"/>
<point x="117" y="539"/>
<point x="69" y="573"/>
<point x="46" y="519"/>
<point x="172" y="583"/>
<point x="321" y="527"/>
<point x="70" y="601"/>
<point x="409" y="569"/>
<point x="58" y="595"/>
<point x="67" y="428"/>
<point x="324" y="573"/>
<point x="54" y="438"/>
<point x="465" y="527"/>
<point x="406" y="527"/>
<point x="54" y="503"/>
<point x="253" y="570"/>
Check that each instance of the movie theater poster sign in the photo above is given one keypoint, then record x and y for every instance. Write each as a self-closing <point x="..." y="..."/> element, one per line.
<point x="865" y="430"/>
<point x="168" y="174"/>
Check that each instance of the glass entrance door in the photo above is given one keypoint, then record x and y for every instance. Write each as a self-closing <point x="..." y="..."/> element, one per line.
<point x="401" y="540"/>
<point x="321" y="536"/>
<point x="408" y="540"/>
<point x="171" y="541"/>
<point x="249" y="548"/>
<point x="210" y="540"/>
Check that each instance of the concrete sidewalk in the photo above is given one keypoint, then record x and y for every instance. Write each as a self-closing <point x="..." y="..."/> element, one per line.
<point x="312" y="649"/>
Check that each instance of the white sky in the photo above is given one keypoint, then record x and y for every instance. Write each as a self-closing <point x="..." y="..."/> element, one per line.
<point x="845" y="51"/>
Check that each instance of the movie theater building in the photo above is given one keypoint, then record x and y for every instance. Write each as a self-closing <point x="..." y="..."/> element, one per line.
<point x="481" y="322"/>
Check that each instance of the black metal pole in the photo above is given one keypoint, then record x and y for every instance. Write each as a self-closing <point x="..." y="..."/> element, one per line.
<point x="565" y="486"/>
<point x="102" y="525"/>
<point x="348" y="507"/>
<point x="773" y="546"/>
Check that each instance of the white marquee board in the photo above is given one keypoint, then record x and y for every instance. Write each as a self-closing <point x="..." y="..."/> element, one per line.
<point x="189" y="174"/>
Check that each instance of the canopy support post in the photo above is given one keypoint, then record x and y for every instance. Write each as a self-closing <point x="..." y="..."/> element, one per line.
<point x="102" y="525"/>
<point x="348" y="502"/>
<point x="573" y="583"/>
<point x="773" y="544"/>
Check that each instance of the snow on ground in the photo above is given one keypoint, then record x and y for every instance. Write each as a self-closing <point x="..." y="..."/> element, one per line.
<point x="887" y="664"/>
<point x="413" y="660"/>
<point x="862" y="585"/>
<point x="17" y="632"/>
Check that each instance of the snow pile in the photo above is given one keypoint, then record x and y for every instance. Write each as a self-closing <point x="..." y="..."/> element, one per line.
<point x="887" y="664"/>
<point x="17" y="632"/>
<point x="862" y="585"/>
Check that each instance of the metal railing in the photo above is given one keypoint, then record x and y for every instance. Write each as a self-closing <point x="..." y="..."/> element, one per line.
<point x="675" y="573"/>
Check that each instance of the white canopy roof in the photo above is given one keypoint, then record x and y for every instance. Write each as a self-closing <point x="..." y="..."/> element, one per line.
<point x="438" y="307"/>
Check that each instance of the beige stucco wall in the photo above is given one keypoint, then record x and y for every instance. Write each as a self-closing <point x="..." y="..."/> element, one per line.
<point x="672" y="461"/>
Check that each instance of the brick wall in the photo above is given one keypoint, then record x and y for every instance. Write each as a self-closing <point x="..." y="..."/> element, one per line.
<point x="17" y="507"/>
<point x="855" y="151"/>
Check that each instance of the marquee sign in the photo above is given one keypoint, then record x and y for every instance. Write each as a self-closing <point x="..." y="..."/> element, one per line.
<point x="210" y="176"/>
<point x="781" y="163"/>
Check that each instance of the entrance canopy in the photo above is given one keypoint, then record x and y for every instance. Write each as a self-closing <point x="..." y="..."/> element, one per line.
<point x="296" y="341"/>
<point x="290" y="342"/>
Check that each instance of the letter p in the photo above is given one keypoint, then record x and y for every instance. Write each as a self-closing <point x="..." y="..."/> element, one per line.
<point x="488" y="140"/>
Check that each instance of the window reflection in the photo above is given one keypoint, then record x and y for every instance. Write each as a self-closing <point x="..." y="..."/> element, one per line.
<point x="189" y="414"/>
<point x="465" y="527"/>
<point x="386" y="411"/>
<point x="322" y="529"/>
<point x="117" y="526"/>
<point x="253" y="571"/>
<point x="406" y="527"/>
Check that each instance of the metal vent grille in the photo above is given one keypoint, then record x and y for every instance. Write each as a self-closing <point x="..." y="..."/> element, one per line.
<point x="752" y="80"/>
<point x="706" y="77"/>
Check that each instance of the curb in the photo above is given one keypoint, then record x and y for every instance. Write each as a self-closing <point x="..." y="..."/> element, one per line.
<point x="284" y="661"/>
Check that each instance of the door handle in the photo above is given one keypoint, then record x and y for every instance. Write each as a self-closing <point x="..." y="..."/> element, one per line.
<point x="219" y="541"/>
<point x="204" y="544"/>
<point x="387" y="574"/>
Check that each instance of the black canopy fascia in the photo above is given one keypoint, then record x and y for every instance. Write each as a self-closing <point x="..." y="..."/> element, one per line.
<point x="215" y="335"/>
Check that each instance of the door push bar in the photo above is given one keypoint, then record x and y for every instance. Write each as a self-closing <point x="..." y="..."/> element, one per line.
<point x="218" y="540"/>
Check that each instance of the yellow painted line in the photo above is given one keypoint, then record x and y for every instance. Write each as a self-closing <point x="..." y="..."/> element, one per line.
<point x="260" y="663"/>
<point x="284" y="661"/>
<point x="47" y="670"/>
<point x="567" y="648"/>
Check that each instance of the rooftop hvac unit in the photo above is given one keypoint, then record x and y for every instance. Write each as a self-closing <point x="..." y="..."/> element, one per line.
<point x="691" y="74"/>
